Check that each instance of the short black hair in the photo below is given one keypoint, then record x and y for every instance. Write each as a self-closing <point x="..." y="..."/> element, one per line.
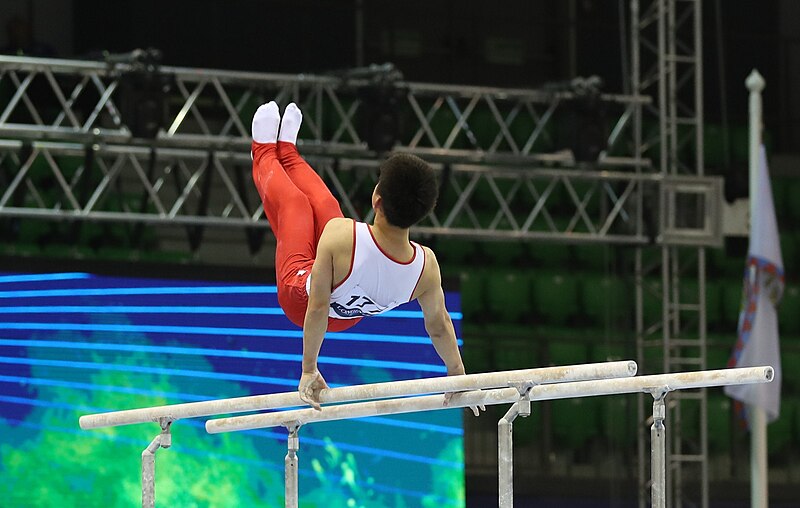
<point x="408" y="188"/>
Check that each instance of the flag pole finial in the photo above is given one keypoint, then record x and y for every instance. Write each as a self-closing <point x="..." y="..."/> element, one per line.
<point x="755" y="81"/>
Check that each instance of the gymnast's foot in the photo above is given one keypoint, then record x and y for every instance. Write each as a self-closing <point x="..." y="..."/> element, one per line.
<point x="266" y="122"/>
<point x="290" y="124"/>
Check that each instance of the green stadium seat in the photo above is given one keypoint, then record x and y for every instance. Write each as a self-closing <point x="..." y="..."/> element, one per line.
<point x="477" y="355"/>
<point x="505" y="254"/>
<point x="652" y="301"/>
<point x="611" y="352"/>
<point x="617" y="421"/>
<point x="796" y="429"/>
<point x="555" y="297"/>
<point x="515" y="347"/>
<point x="575" y="422"/>
<point x="21" y="249"/>
<point x="566" y="352"/>
<point x="789" y="252"/>
<point x="550" y="255"/>
<point x="473" y="292"/>
<point x="508" y="295"/>
<point x="60" y="251"/>
<point x="689" y="421"/>
<point x="605" y="300"/>
<point x="527" y="430"/>
<point x="790" y="370"/>
<point x="594" y="257"/>
<point x="789" y="311"/>
<point x="793" y="205"/>
<point x="713" y="145"/>
<point x="32" y="231"/>
<point x="740" y="143"/>
<point x="714" y="304"/>
<point x="731" y="303"/>
<point x="722" y="265"/>
<point x="653" y="361"/>
<point x="719" y="422"/>
<point x="715" y="261"/>
<point x="117" y="253"/>
<point x="166" y="257"/>
<point x="717" y="356"/>
<point x="779" y="432"/>
<point x="451" y="250"/>
<point x="781" y="197"/>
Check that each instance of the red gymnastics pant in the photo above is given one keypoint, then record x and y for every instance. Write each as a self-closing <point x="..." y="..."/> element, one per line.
<point x="298" y="205"/>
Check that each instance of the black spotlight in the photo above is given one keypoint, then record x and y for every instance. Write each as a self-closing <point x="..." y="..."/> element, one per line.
<point x="380" y="89"/>
<point x="143" y="92"/>
<point x="380" y="125"/>
<point x="584" y="130"/>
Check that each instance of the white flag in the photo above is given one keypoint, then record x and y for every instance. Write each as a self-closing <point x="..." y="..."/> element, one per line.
<point x="757" y="342"/>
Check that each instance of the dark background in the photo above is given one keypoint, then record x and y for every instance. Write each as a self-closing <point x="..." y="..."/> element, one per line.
<point x="518" y="43"/>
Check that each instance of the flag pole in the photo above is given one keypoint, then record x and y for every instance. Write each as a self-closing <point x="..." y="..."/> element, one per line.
<point x="759" y="494"/>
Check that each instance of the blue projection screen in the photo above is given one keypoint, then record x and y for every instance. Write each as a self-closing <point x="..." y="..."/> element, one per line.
<point x="78" y="343"/>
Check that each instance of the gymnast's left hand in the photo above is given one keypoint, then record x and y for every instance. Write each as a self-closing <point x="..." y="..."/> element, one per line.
<point x="311" y="384"/>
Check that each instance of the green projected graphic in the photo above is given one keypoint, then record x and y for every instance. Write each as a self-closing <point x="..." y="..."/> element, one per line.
<point x="74" y="344"/>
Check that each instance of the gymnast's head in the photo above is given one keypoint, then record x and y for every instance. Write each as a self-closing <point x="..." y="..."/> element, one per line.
<point x="406" y="191"/>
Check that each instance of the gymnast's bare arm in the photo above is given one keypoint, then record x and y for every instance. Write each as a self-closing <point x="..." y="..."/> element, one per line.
<point x="437" y="320"/>
<point x="335" y="241"/>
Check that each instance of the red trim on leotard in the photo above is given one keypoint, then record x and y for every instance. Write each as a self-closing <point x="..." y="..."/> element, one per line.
<point x="352" y="259"/>
<point x="413" y="256"/>
<point x="424" y="259"/>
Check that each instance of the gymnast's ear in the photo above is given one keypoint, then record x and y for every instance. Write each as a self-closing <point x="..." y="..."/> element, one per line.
<point x="377" y="200"/>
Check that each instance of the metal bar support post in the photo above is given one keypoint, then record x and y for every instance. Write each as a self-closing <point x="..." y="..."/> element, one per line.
<point x="291" y="463"/>
<point x="505" y="445"/>
<point x="658" y="452"/>
<point x="163" y="440"/>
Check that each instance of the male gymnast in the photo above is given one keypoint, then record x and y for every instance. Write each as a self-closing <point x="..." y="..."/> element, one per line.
<point x="332" y="271"/>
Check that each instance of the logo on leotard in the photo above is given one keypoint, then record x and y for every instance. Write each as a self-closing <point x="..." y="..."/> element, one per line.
<point x="345" y="312"/>
<point x="355" y="307"/>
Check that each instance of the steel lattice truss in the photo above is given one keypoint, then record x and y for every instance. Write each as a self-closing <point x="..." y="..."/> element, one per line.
<point x="193" y="187"/>
<point x="61" y="99"/>
<point x="505" y="175"/>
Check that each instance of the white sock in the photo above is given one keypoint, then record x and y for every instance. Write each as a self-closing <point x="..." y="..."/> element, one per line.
<point x="265" y="123"/>
<point x="290" y="124"/>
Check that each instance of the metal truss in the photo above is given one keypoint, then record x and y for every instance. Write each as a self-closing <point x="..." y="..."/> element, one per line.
<point x="667" y="64"/>
<point x="68" y="181"/>
<point x="504" y="175"/>
<point x="83" y="101"/>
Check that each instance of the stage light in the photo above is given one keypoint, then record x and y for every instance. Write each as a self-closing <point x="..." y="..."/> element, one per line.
<point x="143" y="91"/>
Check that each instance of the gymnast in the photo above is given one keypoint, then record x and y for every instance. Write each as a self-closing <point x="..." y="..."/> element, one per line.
<point x="332" y="271"/>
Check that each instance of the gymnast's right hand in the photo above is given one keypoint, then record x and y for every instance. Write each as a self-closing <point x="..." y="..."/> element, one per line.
<point x="311" y="384"/>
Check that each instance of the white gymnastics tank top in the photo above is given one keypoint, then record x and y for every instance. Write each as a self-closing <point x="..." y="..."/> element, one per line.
<point x="376" y="282"/>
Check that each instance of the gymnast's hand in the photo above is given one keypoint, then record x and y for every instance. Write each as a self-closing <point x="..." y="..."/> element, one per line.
<point x="311" y="384"/>
<point x="454" y="396"/>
